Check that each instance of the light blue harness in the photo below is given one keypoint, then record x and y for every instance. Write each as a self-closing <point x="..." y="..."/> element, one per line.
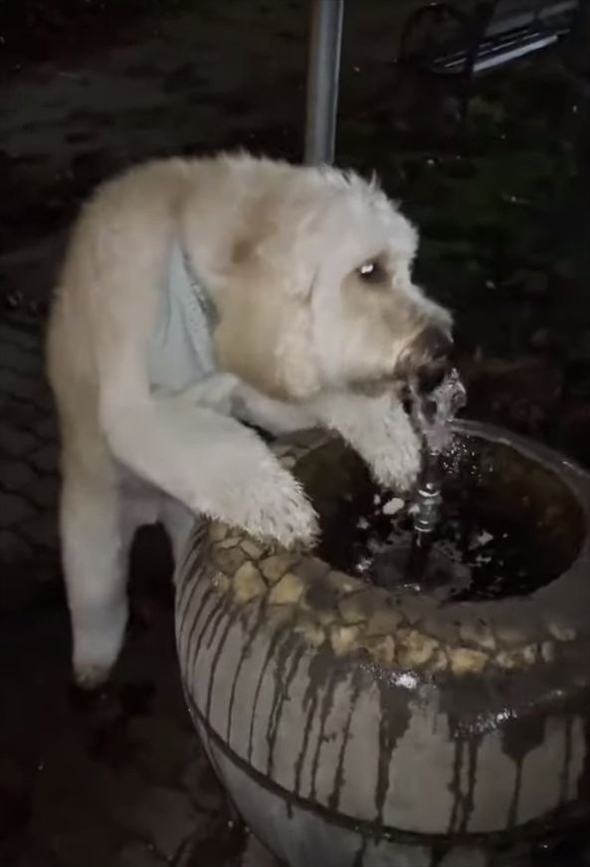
<point x="180" y="350"/>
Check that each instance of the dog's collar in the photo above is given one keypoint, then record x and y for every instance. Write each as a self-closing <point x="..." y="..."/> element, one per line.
<point x="181" y="349"/>
<point x="200" y="292"/>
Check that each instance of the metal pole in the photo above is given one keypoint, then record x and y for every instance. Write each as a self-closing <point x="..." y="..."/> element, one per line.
<point x="322" y="80"/>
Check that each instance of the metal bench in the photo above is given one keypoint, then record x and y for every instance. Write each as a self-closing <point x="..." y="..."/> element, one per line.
<point x="484" y="35"/>
<point x="445" y="39"/>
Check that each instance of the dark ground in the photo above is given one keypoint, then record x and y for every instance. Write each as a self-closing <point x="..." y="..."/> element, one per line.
<point x="502" y="204"/>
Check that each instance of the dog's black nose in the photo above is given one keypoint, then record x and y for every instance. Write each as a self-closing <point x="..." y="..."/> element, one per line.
<point x="437" y="344"/>
<point x="429" y="359"/>
<point x="437" y="361"/>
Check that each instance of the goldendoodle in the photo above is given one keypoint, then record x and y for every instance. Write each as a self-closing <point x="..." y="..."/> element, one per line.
<point x="198" y="294"/>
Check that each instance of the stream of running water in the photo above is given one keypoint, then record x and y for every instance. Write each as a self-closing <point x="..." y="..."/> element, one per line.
<point x="432" y="415"/>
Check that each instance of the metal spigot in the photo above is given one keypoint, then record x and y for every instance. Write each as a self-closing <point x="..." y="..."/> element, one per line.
<point x="428" y="502"/>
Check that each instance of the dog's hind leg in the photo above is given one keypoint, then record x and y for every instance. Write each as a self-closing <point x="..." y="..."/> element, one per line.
<point x="95" y="546"/>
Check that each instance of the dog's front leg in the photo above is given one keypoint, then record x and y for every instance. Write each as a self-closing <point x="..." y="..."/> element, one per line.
<point x="378" y="429"/>
<point x="274" y="416"/>
<point x="217" y="392"/>
<point x="209" y="462"/>
<point x="228" y="395"/>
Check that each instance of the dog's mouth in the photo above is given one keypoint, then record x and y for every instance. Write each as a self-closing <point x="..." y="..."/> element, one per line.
<point x="379" y="386"/>
<point x="419" y="369"/>
<point x="427" y="361"/>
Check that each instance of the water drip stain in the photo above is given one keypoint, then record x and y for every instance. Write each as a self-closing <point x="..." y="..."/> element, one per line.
<point x="270" y="654"/>
<point x="287" y="663"/>
<point x="206" y="596"/>
<point x="355" y="690"/>
<point x="209" y="616"/>
<point x="319" y="670"/>
<point x="231" y="614"/>
<point x="583" y="792"/>
<point x="359" y="858"/>
<point x="394" y="720"/>
<point x="464" y="766"/>
<point x="210" y="593"/>
<point x="335" y="677"/>
<point x="567" y="759"/>
<point x="252" y="634"/>
<point x="209" y="600"/>
<point x="217" y="620"/>
<point x="519" y="738"/>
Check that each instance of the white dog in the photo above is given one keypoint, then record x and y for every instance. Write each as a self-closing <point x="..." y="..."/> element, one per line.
<point x="199" y="292"/>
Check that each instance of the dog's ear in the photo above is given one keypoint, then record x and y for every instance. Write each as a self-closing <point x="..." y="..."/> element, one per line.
<point x="279" y="236"/>
<point x="260" y="226"/>
<point x="264" y="334"/>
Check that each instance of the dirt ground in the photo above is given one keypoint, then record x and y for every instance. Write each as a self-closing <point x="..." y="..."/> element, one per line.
<point x="501" y="201"/>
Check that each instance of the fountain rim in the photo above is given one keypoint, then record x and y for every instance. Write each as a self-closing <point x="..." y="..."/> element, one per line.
<point x="457" y="639"/>
<point x="222" y="607"/>
<point x="575" y="477"/>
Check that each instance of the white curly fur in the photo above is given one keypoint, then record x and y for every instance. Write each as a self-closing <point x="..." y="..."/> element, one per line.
<point x="300" y="339"/>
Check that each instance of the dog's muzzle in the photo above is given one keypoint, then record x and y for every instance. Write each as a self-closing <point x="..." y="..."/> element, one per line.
<point x="428" y="360"/>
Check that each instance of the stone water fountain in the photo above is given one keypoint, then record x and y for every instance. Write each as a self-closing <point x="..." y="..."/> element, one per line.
<point x="415" y="691"/>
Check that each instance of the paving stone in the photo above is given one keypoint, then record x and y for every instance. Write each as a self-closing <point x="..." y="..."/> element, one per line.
<point x="91" y="844"/>
<point x="46" y="429"/>
<point x="15" y="441"/>
<point x="21" y="358"/>
<point x="24" y="339"/>
<point x="25" y="387"/>
<point x="163" y="748"/>
<point x="16" y="475"/>
<point x="41" y="530"/>
<point x="200" y="781"/>
<point x="20" y="412"/>
<point x="32" y="858"/>
<point x="13" y="546"/>
<point x="166" y="814"/>
<point x="257" y="855"/>
<point x="138" y="854"/>
<point x="45" y="458"/>
<point x="13" y="509"/>
<point x="44" y="492"/>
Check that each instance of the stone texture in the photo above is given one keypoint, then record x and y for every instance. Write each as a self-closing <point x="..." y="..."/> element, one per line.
<point x="14" y="441"/>
<point x="17" y="475"/>
<point x="28" y="448"/>
<point x="117" y="779"/>
<point x="166" y="814"/>
<point x="13" y="509"/>
<point x="138" y="854"/>
<point x="287" y="591"/>
<point x="248" y="583"/>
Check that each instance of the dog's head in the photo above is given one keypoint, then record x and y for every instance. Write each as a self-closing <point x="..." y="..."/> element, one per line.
<point x="320" y="293"/>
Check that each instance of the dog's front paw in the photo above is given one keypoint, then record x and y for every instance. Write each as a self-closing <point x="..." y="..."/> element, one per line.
<point x="279" y="510"/>
<point x="398" y="468"/>
<point x="396" y="463"/>
<point x="272" y="506"/>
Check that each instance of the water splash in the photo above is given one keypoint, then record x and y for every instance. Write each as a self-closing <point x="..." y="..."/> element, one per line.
<point x="432" y="415"/>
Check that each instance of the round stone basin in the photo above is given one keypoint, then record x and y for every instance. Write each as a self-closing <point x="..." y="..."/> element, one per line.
<point x="508" y="527"/>
<point x="360" y="716"/>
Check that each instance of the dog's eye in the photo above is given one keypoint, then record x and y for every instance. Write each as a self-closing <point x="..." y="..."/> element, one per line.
<point x="372" y="272"/>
